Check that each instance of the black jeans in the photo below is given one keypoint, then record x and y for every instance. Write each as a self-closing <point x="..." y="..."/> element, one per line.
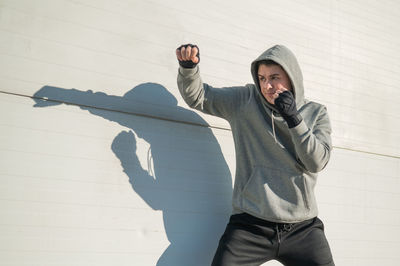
<point x="249" y="241"/>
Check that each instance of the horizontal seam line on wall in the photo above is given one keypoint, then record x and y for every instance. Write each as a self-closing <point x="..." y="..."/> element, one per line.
<point x="176" y="121"/>
<point x="120" y="111"/>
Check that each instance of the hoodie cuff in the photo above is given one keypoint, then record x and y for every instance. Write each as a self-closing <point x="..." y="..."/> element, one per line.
<point x="300" y="129"/>
<point x="186" y="72"/>
<point x="293" y="120"/>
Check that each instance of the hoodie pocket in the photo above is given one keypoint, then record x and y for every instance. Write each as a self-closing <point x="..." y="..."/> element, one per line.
<point x="275" y="193"/>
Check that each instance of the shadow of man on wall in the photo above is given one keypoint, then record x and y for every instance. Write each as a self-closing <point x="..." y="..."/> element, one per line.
<point x="187" y="177"/>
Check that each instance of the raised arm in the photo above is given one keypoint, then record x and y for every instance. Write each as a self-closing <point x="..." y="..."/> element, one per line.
<point x="221" y="102"/>
<point x="312" y="144"/>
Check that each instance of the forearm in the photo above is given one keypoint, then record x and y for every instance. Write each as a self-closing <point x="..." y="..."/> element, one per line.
<point x="191" y="87"/>
<point x="313" y="151"/>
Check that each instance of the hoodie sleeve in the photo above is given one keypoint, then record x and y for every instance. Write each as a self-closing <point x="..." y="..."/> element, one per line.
<point x="221" y="102"/>
<point x="313" y="145"/>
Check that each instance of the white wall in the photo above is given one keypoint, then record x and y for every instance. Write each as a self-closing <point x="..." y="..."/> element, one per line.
<point x="102" y="163"/>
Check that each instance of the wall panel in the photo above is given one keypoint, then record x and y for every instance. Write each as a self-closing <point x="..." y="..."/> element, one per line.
<point x="102" y="162"/>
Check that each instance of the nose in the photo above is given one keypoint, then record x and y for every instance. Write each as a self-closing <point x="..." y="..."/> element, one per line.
<point x="266" y="86"/>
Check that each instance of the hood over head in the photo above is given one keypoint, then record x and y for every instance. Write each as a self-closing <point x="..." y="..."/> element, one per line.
<point x="287" y="60"/>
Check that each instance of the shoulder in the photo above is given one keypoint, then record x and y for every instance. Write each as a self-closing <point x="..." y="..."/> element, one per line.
<point x="313" y="106"/>
<point x="242" y="92"/>
<point x="250" y="87"/>
<point x="313" y="110"/>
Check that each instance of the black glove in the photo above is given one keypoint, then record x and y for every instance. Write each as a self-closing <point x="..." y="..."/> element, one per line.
<point x="189" y="63"/>
<point x="286" y="106"/>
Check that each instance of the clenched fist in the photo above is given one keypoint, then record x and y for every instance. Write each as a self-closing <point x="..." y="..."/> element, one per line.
<point x="286" y="105"/>
<point x="188" y="55"/>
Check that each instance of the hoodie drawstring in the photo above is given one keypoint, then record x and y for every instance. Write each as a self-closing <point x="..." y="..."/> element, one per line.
<point x="273" y="125"/>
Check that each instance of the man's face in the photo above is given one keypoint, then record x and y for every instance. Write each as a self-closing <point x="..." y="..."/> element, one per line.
<point x="273" y="81"/>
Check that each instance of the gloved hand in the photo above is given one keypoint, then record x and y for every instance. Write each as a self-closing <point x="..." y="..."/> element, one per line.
<point x="188" y="55"/>
<point x="286" y="105"/>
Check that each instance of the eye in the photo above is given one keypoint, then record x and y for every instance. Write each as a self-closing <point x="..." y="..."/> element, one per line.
<point x="275" y="78"/>
<point x="261" y="79"/>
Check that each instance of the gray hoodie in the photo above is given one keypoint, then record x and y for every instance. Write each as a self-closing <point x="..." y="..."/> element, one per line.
<point x="276" y="167"/>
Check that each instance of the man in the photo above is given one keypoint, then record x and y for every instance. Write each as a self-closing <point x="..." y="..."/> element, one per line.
<point x="281" y="140"/>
